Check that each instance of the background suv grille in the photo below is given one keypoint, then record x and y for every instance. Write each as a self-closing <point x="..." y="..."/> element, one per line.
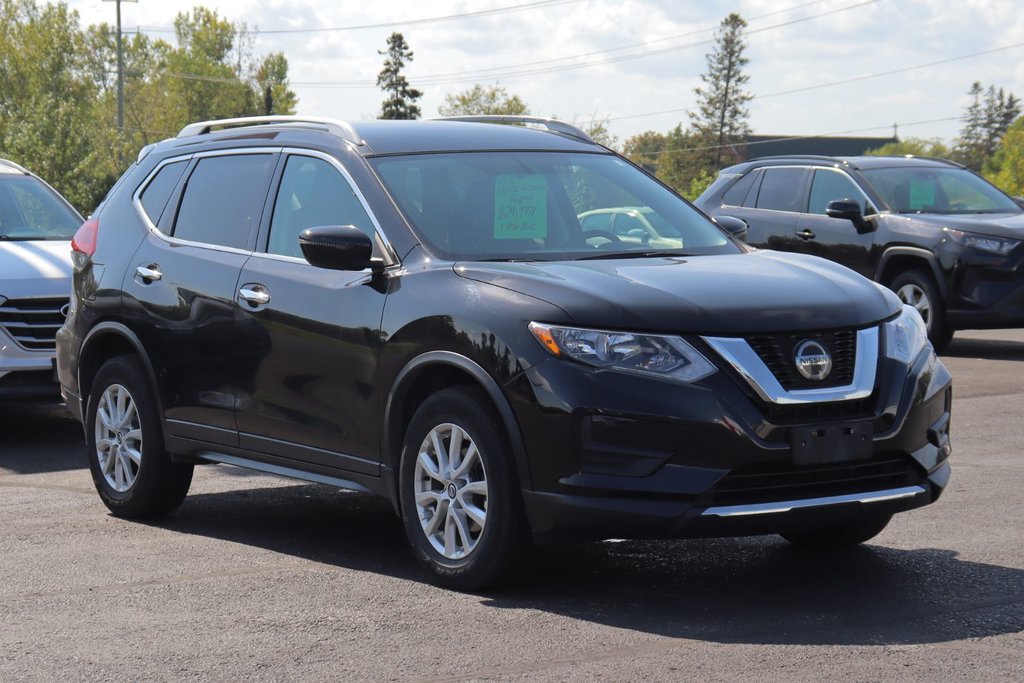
<point x="783" y="481"/>
<point x="777" y="352"/>
<point x="33" y="323"/>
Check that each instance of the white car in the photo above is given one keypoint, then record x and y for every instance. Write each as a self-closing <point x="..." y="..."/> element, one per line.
<point x="36" y="227"/>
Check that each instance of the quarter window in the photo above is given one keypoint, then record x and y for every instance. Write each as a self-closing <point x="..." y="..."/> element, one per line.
<point x="312" y="193"/>
<point x="220" y="198"/>
<point x="828" y="186"/>
<point x="781" y="189"/>
<point x="154" y="197"/>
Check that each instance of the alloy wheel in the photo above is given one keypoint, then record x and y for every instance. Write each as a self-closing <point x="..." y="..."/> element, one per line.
<point x="915" y="296"/>
<point x="451" y="491"/>
<point x="118" y="438"/>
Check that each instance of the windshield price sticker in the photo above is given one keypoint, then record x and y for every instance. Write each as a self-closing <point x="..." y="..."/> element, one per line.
<point x="520" y="206"/>
<point x="922" y="194"/>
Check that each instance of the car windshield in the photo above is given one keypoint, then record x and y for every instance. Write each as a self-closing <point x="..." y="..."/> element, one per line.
<point x="542" y="206"/>
<point x="31" y="211"/>
<point x="917" y="189"/>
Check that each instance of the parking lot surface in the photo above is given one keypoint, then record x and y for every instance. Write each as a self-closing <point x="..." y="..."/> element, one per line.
<point x="263" y="578"/>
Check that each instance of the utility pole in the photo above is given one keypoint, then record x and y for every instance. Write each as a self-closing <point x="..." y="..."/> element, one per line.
<point x="120" y="67"/>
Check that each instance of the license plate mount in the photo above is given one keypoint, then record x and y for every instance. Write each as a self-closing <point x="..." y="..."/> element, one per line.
<point x="824" y="444"/>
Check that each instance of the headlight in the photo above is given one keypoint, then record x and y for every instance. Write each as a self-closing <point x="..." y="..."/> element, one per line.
<point x="665" y="357"/>
<point x="993" y="245"/>
<point x="906" y="336"/>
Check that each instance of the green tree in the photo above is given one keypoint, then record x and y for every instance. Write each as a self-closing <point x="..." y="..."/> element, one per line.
<point x="400" y="100"/>
<point x="483" y="99"/>
<point x="597" y="129"/>
<point x="918" y="147"/>
<point x="1006" y="169"/>
<point x="272" y="81"/>
<point x="721" y="116"/>
<point x="986" y="120"/>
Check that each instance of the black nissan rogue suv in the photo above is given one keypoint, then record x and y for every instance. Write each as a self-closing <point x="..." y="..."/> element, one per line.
<point x="944" y="239"/>
<point x="413" y="309"/>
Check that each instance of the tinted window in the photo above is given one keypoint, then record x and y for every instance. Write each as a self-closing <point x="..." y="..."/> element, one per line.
<point x="530" y="205"/>
<point x="312" y="193"/>
<point x="929" y="189"/>
<point x="30" y="211"/>
<point x="828" y="186"/>
<point x="735" y="195"/>
<point x="781" y="189"/>
<point x="220" y="198"/>
<point x="154" y="197"/>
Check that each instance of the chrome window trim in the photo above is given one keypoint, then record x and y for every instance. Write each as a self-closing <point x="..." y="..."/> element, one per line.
<point x="765" y="170"/>
<point x="745" y="361"/>
<point x="390" y="257"/>
<point x="788" y="505"/>
<point x="155" y="231"/>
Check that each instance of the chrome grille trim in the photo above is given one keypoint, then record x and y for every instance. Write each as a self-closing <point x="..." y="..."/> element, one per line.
<point x="33" y="323"/>
<point x="748" y="364"/>
<point x="786" y="506"/>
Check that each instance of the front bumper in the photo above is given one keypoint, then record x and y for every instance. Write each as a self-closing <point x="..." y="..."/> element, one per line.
<point x="24" y="374"/>
<point x="986" y="291"/>
<point x="611" y="455"/>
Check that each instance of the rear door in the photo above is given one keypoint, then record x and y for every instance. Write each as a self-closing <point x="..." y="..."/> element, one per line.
<point x="836" y="239"/>
<point x="309" y="349"/>
<point x="180" y="286"/>
<point x="771" y="207"/>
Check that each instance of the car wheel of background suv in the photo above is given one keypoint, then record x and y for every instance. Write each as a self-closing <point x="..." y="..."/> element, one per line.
<point x="854" y="533"/>
<point x="918" y="289"/>
<point x="460" y="497"/>
<point x="133" y="474"/>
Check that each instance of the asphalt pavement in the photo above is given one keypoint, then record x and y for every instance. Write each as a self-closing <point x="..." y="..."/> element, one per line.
<point x="262" y="578"/>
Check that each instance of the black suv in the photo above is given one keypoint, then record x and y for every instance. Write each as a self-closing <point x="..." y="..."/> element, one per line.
<point x="944" y="239"/>
<point x="413" y="309"/>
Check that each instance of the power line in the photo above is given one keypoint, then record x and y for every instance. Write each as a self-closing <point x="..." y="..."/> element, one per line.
<point x="392" y="24"/>
<point x="818" y="86"/>
<point x="460" y="77"/>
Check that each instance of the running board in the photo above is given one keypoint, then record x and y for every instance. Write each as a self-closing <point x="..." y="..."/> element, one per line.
<point x="786" y="506"/>
<point x="283" y="471"/>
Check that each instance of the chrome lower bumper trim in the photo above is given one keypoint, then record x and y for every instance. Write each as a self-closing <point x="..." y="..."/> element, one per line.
<point x="786" y="506"/>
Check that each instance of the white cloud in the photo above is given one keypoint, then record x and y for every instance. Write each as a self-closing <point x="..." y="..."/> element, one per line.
<point x="873" y="38"/>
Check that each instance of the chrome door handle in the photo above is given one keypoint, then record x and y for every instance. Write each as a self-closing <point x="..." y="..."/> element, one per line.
<point x="255" y="295"/>
<point x="805" y="234"/>
<point x="150" y="273"/>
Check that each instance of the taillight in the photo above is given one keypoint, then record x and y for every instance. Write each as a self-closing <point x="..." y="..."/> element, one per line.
<point x="84" y="241"/>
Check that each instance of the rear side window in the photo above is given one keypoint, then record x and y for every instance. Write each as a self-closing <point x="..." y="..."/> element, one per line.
<point x="220" y="198"/>
<point x="154" y="197"/>
<point x="735" y="195"/>
<point x="781" y="189"/>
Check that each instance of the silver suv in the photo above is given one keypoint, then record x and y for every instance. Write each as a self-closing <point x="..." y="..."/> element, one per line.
<point x="36" y="227"/>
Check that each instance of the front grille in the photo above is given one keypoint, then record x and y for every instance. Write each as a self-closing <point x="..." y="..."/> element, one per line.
<point x="776" y="482"/>
<point x="33" y="323"/>
<point x="778" y="351"/>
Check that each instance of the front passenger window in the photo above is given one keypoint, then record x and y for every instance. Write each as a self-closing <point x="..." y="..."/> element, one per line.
<point x="312" y="193"/>
<point x="828" y="186"/>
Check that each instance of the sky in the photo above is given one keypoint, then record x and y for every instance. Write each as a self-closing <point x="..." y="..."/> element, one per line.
<point x="849" y="67"/>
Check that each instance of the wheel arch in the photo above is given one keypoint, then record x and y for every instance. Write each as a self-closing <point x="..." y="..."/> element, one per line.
<point x="105" y="341"/>
<point x="440" y="369"/>
<point x="896" y="260"/>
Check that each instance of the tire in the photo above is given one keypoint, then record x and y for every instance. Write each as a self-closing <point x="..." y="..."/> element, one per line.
<point x="457" y="550"/>
<point x="133" y="473"/>
<point x="918" y="288"/>
<point x="844" y="535"/>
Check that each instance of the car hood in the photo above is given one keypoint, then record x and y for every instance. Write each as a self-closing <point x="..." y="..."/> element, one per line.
<point x="759" y="291"/>
<point x="35" y="268"/>
<point x="999" y="224"/>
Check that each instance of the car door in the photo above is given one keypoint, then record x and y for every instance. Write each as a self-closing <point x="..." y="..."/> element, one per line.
<point x="310" y="338"/>
<point x="836" y="239"/>
<point x="771" y="207"/>
<point x="180" y="285"/>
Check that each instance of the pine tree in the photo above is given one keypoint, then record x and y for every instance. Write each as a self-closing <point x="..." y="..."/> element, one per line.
<point x="400" y="102"/>
<point x="986" y="120"/>
<point x="721" y="116"/>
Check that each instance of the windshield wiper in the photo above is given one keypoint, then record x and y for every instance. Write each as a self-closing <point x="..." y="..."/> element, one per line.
<point x="630" y="254"/>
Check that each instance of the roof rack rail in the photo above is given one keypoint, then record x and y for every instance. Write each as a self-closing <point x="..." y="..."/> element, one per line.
<point x="342" y="129"/>
<point x="553" y="125"/>
<point x="818" y="157"/>
<point x="16" y="167"/>
<point x="915" y="156"/>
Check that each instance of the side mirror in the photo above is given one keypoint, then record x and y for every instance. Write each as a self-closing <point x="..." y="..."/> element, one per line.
<point x="338" y="247"/>
<point x="848" y="209"/>
<point x="737" y="227"/>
